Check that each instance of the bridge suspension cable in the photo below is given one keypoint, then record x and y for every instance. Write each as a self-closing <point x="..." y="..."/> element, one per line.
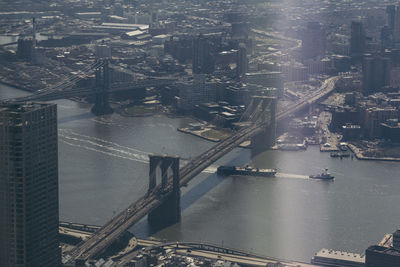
<point x="119" y="223"/>
<point x="74" y="77"/>
<point x="67" y="82"/>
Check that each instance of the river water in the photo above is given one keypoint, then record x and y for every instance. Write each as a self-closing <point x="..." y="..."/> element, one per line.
<point x="5" y="39"/>
<point x="103" y="167"/>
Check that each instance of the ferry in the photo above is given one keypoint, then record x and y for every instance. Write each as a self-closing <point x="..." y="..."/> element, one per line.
<point x="323" y="176"/>
<point x="247" y="170"/>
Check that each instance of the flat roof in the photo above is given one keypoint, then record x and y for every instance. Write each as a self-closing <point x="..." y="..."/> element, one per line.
<point x="262" y="73"/>
<point x="88" y="13"/>
<point x="386" y="250"/>
<point x="165" y="36"/>
<point x="134" y="33"/>
<point x="397" y="126"/>
<point x="340" y="255"/>
<point x="22" y="107"/>
<point x="112" y="24"/>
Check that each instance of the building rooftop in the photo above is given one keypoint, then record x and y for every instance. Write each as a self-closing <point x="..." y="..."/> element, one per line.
<point x="340" y="255"/>
<point x="21" y="107"/>
<point x="134" y="33"/>
<point x="385" y="250"/>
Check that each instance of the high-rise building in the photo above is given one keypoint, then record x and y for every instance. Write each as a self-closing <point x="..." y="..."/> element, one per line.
<point x="396" y="29"/>
<point x="242" y="62"/>
<point x="203" y="56"/>
<point x="357" y="39"/>
<point x="386" y="38"/>
<point x="196" y="92"/>
<point x="102" y="51"/>
<point x="391" y="13"/>
<point x="313" y="41"/>
<point x="28" y="185"/>
<point x="25" y="48"/>
<point x="376" y="74"/>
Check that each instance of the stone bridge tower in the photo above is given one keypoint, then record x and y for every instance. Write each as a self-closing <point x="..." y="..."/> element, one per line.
<point x="102" y="85"/>
<point x="170" y="211"/>
<point x="267" y="108"/>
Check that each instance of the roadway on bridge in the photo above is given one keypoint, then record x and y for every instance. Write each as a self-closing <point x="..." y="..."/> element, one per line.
<point x="114" y="228"/>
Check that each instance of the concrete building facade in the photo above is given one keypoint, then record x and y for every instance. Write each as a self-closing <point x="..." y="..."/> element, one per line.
<point x="313" y="41"/>
<point x="376" y="74"/>
<point x="357" y="40"/>
<point x="28" y="185"/>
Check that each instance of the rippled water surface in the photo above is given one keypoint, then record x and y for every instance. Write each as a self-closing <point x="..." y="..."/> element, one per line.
<point x="104" y="166"/>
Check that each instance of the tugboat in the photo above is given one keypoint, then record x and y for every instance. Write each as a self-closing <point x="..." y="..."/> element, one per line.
<point x="247" y="170"/>
<point x="323" y="176"/>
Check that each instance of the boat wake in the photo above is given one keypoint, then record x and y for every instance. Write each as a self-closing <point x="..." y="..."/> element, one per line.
<point x="291" y="175"/>
<point x="210" y="169"/>
<point x="109" y="148"/>
<point x="102" y="146"/>
<point x="109" y="122"/>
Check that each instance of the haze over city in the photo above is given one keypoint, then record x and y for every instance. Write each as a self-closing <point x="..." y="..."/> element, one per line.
<point x="200" y="133"/>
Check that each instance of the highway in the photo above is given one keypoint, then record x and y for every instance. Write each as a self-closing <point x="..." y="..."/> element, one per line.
<point x="209" y="251"/>
<point x="328" y="86"/>
<point x="190" y="249"/>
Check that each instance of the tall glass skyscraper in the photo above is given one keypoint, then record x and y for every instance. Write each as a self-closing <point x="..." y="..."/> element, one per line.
<point x="28" y="185"/>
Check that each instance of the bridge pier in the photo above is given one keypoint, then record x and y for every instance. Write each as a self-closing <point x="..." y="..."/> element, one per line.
<point x="101" y="104"/>
<point x="266" y="138"/>
<point x="169" y="212"/>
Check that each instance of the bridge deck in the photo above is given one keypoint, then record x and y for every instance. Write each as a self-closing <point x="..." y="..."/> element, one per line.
<point x="114" y="228"/>
<point x="49" y="95"/>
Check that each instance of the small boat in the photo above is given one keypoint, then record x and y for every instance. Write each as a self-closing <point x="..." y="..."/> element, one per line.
<point x="325" y="175"/>
<point x="343" y="146"/>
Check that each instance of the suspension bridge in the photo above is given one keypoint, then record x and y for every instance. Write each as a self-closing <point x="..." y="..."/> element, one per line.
<point x="162" y="202"/>
<point x="100" y="91"/>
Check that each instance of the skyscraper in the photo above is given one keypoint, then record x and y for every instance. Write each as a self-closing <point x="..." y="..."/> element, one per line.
<point x="313" y="41"/>
<point x="357" y="39"/>
<point x="376" y="74"/>
<point x="203" y="56"/>
<point x="396" y="30"/>
<point x="241" y="62"/>
<point x="391" y="14"/>
<point x="28" y="185"/>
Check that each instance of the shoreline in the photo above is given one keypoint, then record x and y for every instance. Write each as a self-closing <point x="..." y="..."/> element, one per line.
<point x="186" y="131"/>
<point x="360" y="156"/>
<point x="16" y="86"/>
<point x="245" y="144"/>
<point x="352" y="147"/>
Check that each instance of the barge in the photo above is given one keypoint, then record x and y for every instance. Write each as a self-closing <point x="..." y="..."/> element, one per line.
<point x="247" y="170"/>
